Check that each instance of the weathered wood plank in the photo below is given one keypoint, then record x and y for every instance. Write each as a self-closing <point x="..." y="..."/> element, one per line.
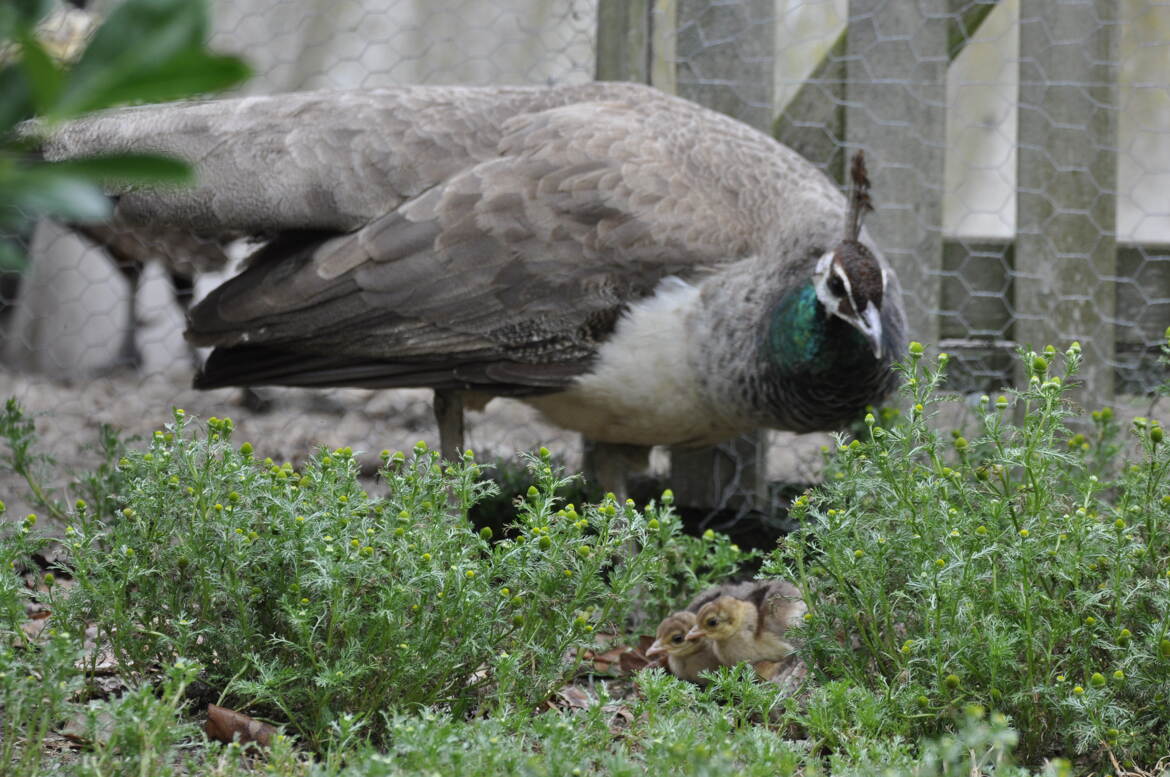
<point x="966" y="16"/>
<point x="1067" y="179"/>
<point x="623" y="40"/>
<point x="725" y="60"/>
<point x="813" y="121"/>
<point x="725" y="57"/>
<point x="896" y="111"/>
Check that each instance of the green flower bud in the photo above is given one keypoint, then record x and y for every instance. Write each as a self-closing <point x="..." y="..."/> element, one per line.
<point x="486" y="533"/>
<point x="915" y="348"/>
<point x="951" y="681"/>
<point x="1097" y="680"/>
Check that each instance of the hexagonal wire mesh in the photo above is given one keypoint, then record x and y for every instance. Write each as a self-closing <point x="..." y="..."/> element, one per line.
<point x="1020" y="153"/>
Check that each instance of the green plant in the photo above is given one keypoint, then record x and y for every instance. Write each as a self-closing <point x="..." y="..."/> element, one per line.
<point x="137" y="733"/>
<point x="1164" y="360"/>
<point x="196" y="550"/>
<point x="146" y="50"/>
<point x="37" y="677"/>
<point x="305" y="597"/>
<point x="1011" y="569"/>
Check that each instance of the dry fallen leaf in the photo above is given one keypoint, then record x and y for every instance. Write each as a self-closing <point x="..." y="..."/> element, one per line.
<point x="633" y="660"/>
<point x="226" y="725"/>
<point x="77" y="729"/>
<point x="576" y="696"/>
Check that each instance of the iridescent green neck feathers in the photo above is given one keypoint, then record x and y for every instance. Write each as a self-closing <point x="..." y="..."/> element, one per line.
<point x="802" y="338"/>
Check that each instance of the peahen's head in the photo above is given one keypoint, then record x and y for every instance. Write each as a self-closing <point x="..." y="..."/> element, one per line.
<point x="850" y="283"/>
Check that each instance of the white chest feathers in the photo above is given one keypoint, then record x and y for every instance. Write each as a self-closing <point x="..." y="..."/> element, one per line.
<point x="642" y="388"/>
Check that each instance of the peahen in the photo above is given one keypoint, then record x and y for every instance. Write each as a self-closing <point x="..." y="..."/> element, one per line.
<point x="637" y="267"/>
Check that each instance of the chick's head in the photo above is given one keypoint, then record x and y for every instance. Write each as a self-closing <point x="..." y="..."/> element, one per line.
<point x="671" y="637"/>
<point x="719" y="619"/>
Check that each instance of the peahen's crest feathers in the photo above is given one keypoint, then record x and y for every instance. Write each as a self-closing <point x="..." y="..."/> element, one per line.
<point x="859" y="201"/>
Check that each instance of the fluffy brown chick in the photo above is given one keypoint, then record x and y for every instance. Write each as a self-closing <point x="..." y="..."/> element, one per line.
<point x="685" y="658"/>
<point x="738" y="590"/>
<point x="752" y="628"/>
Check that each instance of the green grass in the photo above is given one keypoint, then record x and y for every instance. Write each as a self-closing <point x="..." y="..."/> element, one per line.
<point x="1022" y="567"/>
<point x="977" y="597"/>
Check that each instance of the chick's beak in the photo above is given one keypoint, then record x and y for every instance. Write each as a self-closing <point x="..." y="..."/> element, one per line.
<point x="694" y="634"/>
<point x="656" y="649"/>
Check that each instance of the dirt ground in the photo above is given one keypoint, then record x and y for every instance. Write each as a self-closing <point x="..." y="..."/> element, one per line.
<point x="69" y="416"/>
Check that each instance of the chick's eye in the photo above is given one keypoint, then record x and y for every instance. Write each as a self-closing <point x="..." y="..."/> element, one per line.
<point x="677" y="638"/>
<point x="836" y="286"/>
<point x="712" y="622"/>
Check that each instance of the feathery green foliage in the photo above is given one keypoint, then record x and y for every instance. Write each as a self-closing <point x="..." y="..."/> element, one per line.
<point x="971" y="595"/>
<point x="1024" y="569"/>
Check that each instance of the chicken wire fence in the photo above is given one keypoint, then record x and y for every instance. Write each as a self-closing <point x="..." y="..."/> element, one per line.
<point x="1019" y="151"/>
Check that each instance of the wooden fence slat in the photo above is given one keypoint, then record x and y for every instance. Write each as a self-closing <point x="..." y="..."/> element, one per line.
<point x="896" y="111"/>
<point x="813" y="121"/>
<point x="724" y="55"/>
<point x="1067" y="179"/>
<point x="623" y="40"/>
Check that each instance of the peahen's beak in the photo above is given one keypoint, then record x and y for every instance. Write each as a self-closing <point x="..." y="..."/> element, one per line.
<point x="870" y="325"/>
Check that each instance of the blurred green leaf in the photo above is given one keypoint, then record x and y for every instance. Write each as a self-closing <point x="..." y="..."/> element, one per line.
<point x="126" y="169"/>
<point x="146" y="32"/>
<point x="44" y="76"/>
<point x="15" y="98"/>
<point x="12" y="256"/>
<point x="41" y="191"/>
<point x="186" y="73"/>
<point x="148" y="50"/>
<point x="22" y="13"/>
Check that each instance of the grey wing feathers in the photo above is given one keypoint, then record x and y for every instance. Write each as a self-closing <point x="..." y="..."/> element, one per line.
<point x="452" y="236"/>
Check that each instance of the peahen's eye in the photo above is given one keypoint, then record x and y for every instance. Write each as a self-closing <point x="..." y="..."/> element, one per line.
<point x="836" y="286"/>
